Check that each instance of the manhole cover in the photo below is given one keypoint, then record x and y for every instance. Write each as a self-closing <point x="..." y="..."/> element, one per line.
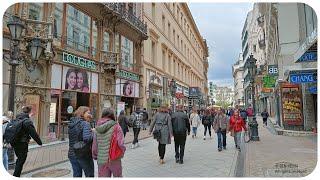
<point x="52" y="173"/>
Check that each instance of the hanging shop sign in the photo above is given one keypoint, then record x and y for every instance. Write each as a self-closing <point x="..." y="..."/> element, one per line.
<point x="269" y="81"/>
<point x="128" y="75"/>
<point x="186" y="92"/>
<point x="310" y="40"/>
<point x="308" y="57"/>
<point x="273" y="70"/>
<point x="78" y="61"/>
<point x="291" y="104"/>
<point x="299" y="77"/>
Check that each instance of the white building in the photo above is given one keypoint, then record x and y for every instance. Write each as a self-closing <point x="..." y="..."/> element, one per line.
<point x="237" y="73"/>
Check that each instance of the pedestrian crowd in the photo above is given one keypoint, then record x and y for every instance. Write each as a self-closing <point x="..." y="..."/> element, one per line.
<point x="105" y="142"/>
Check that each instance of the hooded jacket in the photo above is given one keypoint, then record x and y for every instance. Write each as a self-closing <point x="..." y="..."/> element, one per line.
<point x="102" y="139"/>
<point x="27" y="130"/>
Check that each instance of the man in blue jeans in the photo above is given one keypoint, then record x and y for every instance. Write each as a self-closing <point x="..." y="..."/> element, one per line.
<point x="220" y="126"/>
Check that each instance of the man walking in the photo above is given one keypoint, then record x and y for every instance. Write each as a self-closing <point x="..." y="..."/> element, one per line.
<point x="145" y="119"/>
<point x="20" y="145"/>
<point x="136" y="121"/>
<point x="265" y="116"/>
<point x="180" y="127"/>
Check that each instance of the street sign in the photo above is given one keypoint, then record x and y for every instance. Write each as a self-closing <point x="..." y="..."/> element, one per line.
<point x="308" y="57"/>
<point x="273" y="70"/>
<point x="269" y="81"/>
<point x="299" y="77"/>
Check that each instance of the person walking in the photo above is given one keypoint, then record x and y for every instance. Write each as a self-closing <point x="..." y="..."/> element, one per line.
<point x="80" y="142"/>
<point x="250" y="113"/>
<point x="265" y="116"/>
<point x="20" y="145"/>
<point x="123" y="121"/>
<point x="135" y="120"/>
<point x="207" y="121"/>
<point x="220" y="126"/>
<point x="243" y="114"/>
<point x="7" y="117"/>
<point x="145" y="119"/>
<point x="194" y="121"/>
<point x="162" y="126"/>
<point x="108" y="131"/>
<point x="180" y="127"/>
<point x="237" y="124"/>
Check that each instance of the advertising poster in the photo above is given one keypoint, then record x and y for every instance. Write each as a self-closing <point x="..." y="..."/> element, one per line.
<point x="127" y="88"/>
<point x="53" y="110"/>
<point x="120" y="107"/>
<point x="76" y="79"/>
<point x="56" y="76"/>
<point x="292" y="105"/>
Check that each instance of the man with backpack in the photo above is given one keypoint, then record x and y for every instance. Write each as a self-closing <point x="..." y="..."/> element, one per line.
<point x="18" y="133"/>
<point x="180" y="127"/>
<point x="135" y="121"/>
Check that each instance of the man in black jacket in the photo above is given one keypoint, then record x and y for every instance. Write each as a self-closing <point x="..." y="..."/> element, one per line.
<point x="180" y="127"/>
<point x="20" y="145"/>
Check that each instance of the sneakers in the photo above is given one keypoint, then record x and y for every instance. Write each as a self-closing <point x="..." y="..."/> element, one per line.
<point x="181" y="161"/>
<point x="224" y="147"/>
<point x="177" y="160"/>
<point x="219" y="149"/>
<point x="132" y="146"/>
<point x="161" y="161"/>
<point x="204" y="137"/>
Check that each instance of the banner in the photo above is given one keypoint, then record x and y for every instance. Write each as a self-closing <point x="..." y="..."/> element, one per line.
<point x="76" y="79"/>
<point x="127" y="88"/>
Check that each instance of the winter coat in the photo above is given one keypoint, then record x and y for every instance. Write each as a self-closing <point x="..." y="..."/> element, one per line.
<point x="78" y="125"/>
<point x="123" y="122"/>
<point x="194" y="120"/>
<point x="265" y="115"/>
<point x="145" y="116"/>
<point x="180" y="123"/>
<point x="27" y="130"/>
<point x="102" y="139"/>
<point x="237" y="123"/>
<point x="136" y="119"/>
<point x="207" y="120"/>
<point x="220" y="122"/>
<point x="163" y="122"/>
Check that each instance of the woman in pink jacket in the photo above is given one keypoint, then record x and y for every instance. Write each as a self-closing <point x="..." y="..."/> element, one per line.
<point x="107" y="128"/>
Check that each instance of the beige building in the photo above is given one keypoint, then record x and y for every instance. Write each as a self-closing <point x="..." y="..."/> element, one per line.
<point x="237" y="73"/>
<point x="175" y="50"/>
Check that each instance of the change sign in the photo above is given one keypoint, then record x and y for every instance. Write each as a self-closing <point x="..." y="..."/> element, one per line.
<point x="303" y="77"/>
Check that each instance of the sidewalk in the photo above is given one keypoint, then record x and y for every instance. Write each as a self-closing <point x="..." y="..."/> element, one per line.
<point x="57" y="152"/>
<point x="280" y="156"/>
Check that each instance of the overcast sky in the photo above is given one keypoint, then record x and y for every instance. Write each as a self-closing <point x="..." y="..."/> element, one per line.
<point x="221" y="25"/>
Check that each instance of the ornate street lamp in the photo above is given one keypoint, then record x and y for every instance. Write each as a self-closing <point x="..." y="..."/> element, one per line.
<point x="36" y="48"/>
<point x="16" y="27"/>
<point x="252" y="72"/>
<point x="173" y="89"/>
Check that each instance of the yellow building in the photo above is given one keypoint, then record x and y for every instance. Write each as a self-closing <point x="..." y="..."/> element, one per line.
<point x="175" y="50"/>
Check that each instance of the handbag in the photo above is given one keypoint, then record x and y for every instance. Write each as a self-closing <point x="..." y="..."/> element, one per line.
<point x="157" y="132"/>
<point x="115" y="151"/>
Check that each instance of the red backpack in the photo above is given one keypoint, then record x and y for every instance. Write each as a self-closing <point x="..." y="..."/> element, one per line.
<point x="115" y="151"/>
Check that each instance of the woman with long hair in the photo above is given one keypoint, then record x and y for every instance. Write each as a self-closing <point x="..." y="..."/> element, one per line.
<point x="71" y="79"/>
<point x="80" y="132"/>
<point x="162" y="123"/>
<point x="237" y="124"/>
<point x="82" y="81"/>
<point x="207" y="121"/>
<point x="123" y="121"/>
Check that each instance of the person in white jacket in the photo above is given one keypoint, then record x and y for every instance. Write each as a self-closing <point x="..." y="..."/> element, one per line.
<point x="194" y="121"/>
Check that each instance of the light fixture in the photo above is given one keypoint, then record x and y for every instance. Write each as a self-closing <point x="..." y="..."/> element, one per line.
<point x="36" y="48"/>
<point x="15" y="27"/>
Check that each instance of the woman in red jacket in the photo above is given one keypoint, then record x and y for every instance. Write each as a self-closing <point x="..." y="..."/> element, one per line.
<point x="236" y="125"/>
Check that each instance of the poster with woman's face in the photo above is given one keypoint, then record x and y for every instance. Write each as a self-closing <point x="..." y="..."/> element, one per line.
<point x="76" y="79"/>
<point x="127" y="88"/>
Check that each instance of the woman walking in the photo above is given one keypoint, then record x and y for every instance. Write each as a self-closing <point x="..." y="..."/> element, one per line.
<point x="123" y="121"/>
<point x="108" y="131"/>
<point x="220" y="126"/>
<point x="194" y="121"/>
<point x="80" y="141"/>
<point x="236" y="125"/>
<point x="162" y="130"/>
<point x="207" y="121"/>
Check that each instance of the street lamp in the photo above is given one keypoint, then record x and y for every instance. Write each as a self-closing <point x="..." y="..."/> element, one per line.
<point x="35" y="46"/>
<point x="252" y="72"/>
<point x="173" y="89"/>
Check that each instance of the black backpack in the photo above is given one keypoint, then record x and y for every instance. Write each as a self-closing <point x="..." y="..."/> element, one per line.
<point x="13" y="130"/>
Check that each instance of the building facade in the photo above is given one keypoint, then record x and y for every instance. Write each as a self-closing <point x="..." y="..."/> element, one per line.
<point x="237" y="73"/>
<point x="97" y="54"/>
<point x="175" y="50"/>
<point x="224" y="96"/>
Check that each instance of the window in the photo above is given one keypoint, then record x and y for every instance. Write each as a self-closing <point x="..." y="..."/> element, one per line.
<point x="178" y="41"/>
<point x="106" y="41"/>
<point x="181" y="17"/>
<point x="131" y="8"/>
<point x="163" y="23"/>
<point x="254" y="48"/>
<point x="94" y="37"/>
<point x="174" y="36"/>
<point x="153" y="11"/>
<point x="311" y="23"/>
<point x="35" y="11"/>
<point x="169" y="31"/>
<point x="153" y="53"/>
<point x="163" y="59"/>
<point x="126" y="53"/>
<point x="57" y="29"/>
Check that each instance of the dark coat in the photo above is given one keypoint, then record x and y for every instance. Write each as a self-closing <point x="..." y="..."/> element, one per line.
<point x="265" y="114"/>
<point x="180" y="123"/>
<point x="162" y="122"/>
<point x="27" y="130"/>
<point x="207" y="120"/>
<point x="123" y="121"/>
<point x="75" y="127"/>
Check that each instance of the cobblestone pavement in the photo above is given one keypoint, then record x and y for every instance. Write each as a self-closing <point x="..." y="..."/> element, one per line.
<point x="201" y="160"/>
<point x="50" y="154"/>
<point x="280" y="156"/>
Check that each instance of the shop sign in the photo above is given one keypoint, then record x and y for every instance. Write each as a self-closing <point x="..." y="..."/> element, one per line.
<point x="194" y="92"/>
<point x="310" y="40"/>
<point x="128" y="75"/>
<point x="269" y="81"/>
<point x="186" y="92"/>
<point x="303" y="77"/>
<point x="313" y="90"/>
<point x="273" y="70"/>
<point x="179" y="95"/>
<point x="53" y="111"/>
<point x="308" y="57"/>
<point x="78" y="61"/>
<point x="266" y="90"/>
<point x="70" y="109"/>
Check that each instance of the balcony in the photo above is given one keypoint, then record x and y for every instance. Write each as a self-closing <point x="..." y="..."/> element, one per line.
<point x="262" y="43"/>
<point x="119" y="10"/>
<point x="128" y="66"/>
<point x="110" y="60"/>
<point x="260" y="20"/>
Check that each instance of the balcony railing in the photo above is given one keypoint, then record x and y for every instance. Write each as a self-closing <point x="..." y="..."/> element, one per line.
<point x="262" y="43"/>
<point x="120" y="10"/>
<point x="110" y="60"/>
<point x="133" y="67"/>
<point x="260" y="20"/>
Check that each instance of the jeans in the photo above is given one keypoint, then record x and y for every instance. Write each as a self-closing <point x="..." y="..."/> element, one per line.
<point x="237" y="136"/>
<point x="136" y="132"/>
<point x="113" y="168"/>
<point x="161" y="150"/>
<point x="5" y="158"/>
<point x="194" y="131"/>
<point x="222" y="138"/>
<point x="21" y="151"/>
<point x="144" y="125"/>
<point x="207" y="126"/>
<point x="179" y="144"/>
<point x="79" y="164"/>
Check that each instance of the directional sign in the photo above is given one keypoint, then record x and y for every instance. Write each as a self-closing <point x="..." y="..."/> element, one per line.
<point x="308" y="57"/>
<point x="303" y="77"/>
